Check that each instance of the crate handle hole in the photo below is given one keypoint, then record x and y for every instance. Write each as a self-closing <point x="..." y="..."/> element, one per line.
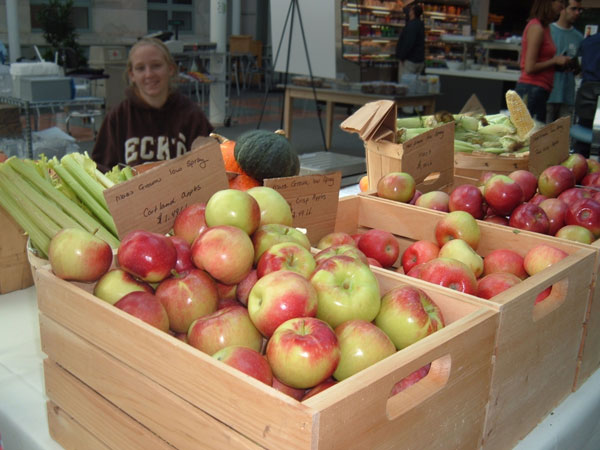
<point x="435" y="379"/>
<point x="550" y="299"/>
<point x="432" y="178"/>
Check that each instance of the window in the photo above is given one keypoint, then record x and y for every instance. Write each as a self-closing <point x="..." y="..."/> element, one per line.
<point x="80" y="16"/>
<point x="161" y="12"/>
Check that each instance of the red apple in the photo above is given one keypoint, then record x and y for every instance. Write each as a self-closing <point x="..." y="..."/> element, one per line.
<point x="341" y="249"/>
<point x="410" y="379"/>
<point x="286" y="256"/>
<point x="233" y="207"/>
<point x="591" y="179"/>
<point x="571" y="195"/>
<point x="303" y="352"/>
<point x="528" y="182"/>
<point x="585" y="213"/>
<point x="296" y="394"/>
<point x="224" y="327"/>
<point x="116" y="283"/>
<point x="538" y="198"/>
<point x="408" y="315"/>
<point x="184" y="254"/>
<point x="575" y="233"/>
<point x="494" y="283"/>
<point x="347" y="289"/>
<point x="335" y="238"/>
<point x="504" y="260"/>
<point x="463" y="252"/>
<point x="245" y="286"/>
<point x="146" y="255"/>
<point x="415" y="197"/>
<point x="273" y="233"/>
<point x="362" y="344"/>
<point x="274" y="208"/>
<point x="226" y="291"/>
<point x="280" y="296"/>
<point x="556" y="211"/>
<point x="468" y="198"/>
<point x="146" y="307"/>
<point x="187" y="297"/>
<point x="398" y="186"/>
<point x="356" y="237"/>
<point x="319" y="388"/>
<point x="554" y="180"/>
<point x="499" y="220"/>
<point x="543" y="295"/>
<point x="374" y="262"/>
<point x="449" y="273"/>
<point x="246" y="360"/>
<point x="419" y="252"/>
<point x="225" y="252"/>
<point x="78" y="255"/>
<point x="381" y="245"/>
<point x="190" y="222"/>
<point x="578" y="165"/>
<point x="458" y="225"/>
<point x="542" y="256"/>
<point x="503" y="194"/>
<point x="484" y="177"/>
<point x="436" y="200"/>
<point x="530" y="217"/>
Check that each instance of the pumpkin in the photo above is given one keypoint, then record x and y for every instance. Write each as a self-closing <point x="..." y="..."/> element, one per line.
<point x="227" y="152"/>
<point x="243" y="182"/>
<point x="264" y="154"/>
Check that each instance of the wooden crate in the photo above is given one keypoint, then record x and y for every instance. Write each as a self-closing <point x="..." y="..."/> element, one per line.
<point x="15" y="273"/>
<point x="473" y="165"/>
<point x="537" y="347"/>
<point x="115" y="382"/>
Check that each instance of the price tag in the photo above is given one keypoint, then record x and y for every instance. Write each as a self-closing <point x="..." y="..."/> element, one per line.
<point x="549" y="146"/>
<point x="151" y="201"/>
<point x="313" y="200"/>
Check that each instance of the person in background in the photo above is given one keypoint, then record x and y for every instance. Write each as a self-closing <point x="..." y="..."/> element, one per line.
<point x="410" y="48"/>
<point x="567" y="41"/>
<point x="538" y="57"/>
<point x="587" y="94"/>
<point x="154" y="122"/>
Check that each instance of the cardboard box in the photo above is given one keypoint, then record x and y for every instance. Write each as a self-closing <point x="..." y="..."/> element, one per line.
<point x="112" y="379"/>
<point x="537" y="347"/>
<point x="15" y="273"/>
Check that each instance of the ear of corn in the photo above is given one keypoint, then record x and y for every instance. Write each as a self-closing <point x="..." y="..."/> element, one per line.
<point x="519" y="114"/>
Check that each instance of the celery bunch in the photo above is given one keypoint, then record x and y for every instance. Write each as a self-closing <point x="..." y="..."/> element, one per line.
<point x="45" y="196"/>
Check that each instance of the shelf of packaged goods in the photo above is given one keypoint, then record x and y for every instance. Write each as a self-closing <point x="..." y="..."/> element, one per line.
<point x="445" y="16"/>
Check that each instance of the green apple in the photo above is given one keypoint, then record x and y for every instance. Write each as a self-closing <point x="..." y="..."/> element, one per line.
<point x="576" y="233"/>
<point x="542" y="256"/>
<point x="274" y="208"/>
<point x="458" y="225"/>
<point x="460" y="250"/>
<point x="117" y="283"/>
<point x="233" y="207"/>
<point x="273" y="233"/>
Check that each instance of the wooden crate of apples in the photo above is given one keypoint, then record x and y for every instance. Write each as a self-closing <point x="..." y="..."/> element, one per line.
<point x="232" y="333"/>
<point x="531" y="310"/>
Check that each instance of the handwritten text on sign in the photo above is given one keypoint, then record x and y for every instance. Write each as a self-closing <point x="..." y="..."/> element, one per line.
<point x="429" y="152"/>
<point x="313" y="200"/>
<point x="151" y="201"/>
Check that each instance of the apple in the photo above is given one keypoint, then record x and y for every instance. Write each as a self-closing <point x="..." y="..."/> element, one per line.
<point x="116" y="283"/>
<point x="381" y="245"/>
<point x="362" y="344"/>
<point x="190" y="222"/>
<point x="556" y="211"/>
<point x="234" y="208"/>
<point x="528" y="216"/>
<point x="492" y="284"/>
<point x="246" y="360"/>
<point x="224" y="327"/>
<point x="286" y="256"/>
<point x="410" y="379"/>
<point x="585" y="213"/>
<point x="458" y="225"/>
<point x="187" y="297"/>
<point x="398" y="186"/>
<point x="436" y="200"/>
<point x="341" y="249"/>
<point x="591" y="179"/>
<point x="527" y="181"/>
<point x="578" y="165"/>
<point x="245" y="286"/>
<point x="335" y="238"/>
<point x="575" y="233"/>
<point x="78" y="255"/>
<point x="226" y="291"/>
<point x="461" y="251"/>
<point x="468" y="198"/>
<point x="499" y="220"/>
<point x="538" y="198"/>
<point x="280" y="296"/>
<point x="554" y="180"/>
<point x="485" y="176"/>
<point x="225" y="252"/>
<point x="363" y="184"/>
<point x="319" y="388"/>
<point x="274" y="233"/>
<point x="593" y="165"/>
<point x="542" y="256"/>
<point x="504" y="260"/>
<point x="274" y="208"/>
<point x="180" y="336"/>
<point x="415" y="197"/>
<point x="296" y="394"/>
<point x="146" y="255"/>
<point x="503" y="194"/>
<point x="408" y="315"/>
<point x="183" y="263"/>
<point x="543" y="295"/>
<point x="356" y="237"/>
<point x="449" y="273"/>
<point x="303" y="352"/>
<point x="571" y="195"/>
<point x="419" y="252"/>
<point x="146" y="307"/>
<point x="347" y="289"/>
<point x="373" y="262"/>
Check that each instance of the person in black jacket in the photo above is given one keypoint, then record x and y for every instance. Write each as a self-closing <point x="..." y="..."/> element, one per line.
<point x="410" y="48"/>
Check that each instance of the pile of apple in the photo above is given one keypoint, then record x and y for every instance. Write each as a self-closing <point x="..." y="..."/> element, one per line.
<point x="235" y="280"/>
<point x="564" y="201"/>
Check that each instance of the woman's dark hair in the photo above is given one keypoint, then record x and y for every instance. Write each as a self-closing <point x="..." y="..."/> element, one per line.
<point x="543" y="11"/>
<point x="416" y="8"/>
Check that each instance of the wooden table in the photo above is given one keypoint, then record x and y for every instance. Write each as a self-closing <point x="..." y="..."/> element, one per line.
<point x="331" y="97"/>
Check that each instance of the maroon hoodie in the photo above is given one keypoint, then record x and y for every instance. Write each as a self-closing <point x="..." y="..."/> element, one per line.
<point x="134" y="132"/>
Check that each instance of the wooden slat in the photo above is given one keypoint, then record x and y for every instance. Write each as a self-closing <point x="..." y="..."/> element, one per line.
<point x="65" y="430"/>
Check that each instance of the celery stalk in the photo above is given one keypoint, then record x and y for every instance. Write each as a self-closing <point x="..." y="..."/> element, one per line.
<point x="79" y="174"/>
<point x="104" y="180"/>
